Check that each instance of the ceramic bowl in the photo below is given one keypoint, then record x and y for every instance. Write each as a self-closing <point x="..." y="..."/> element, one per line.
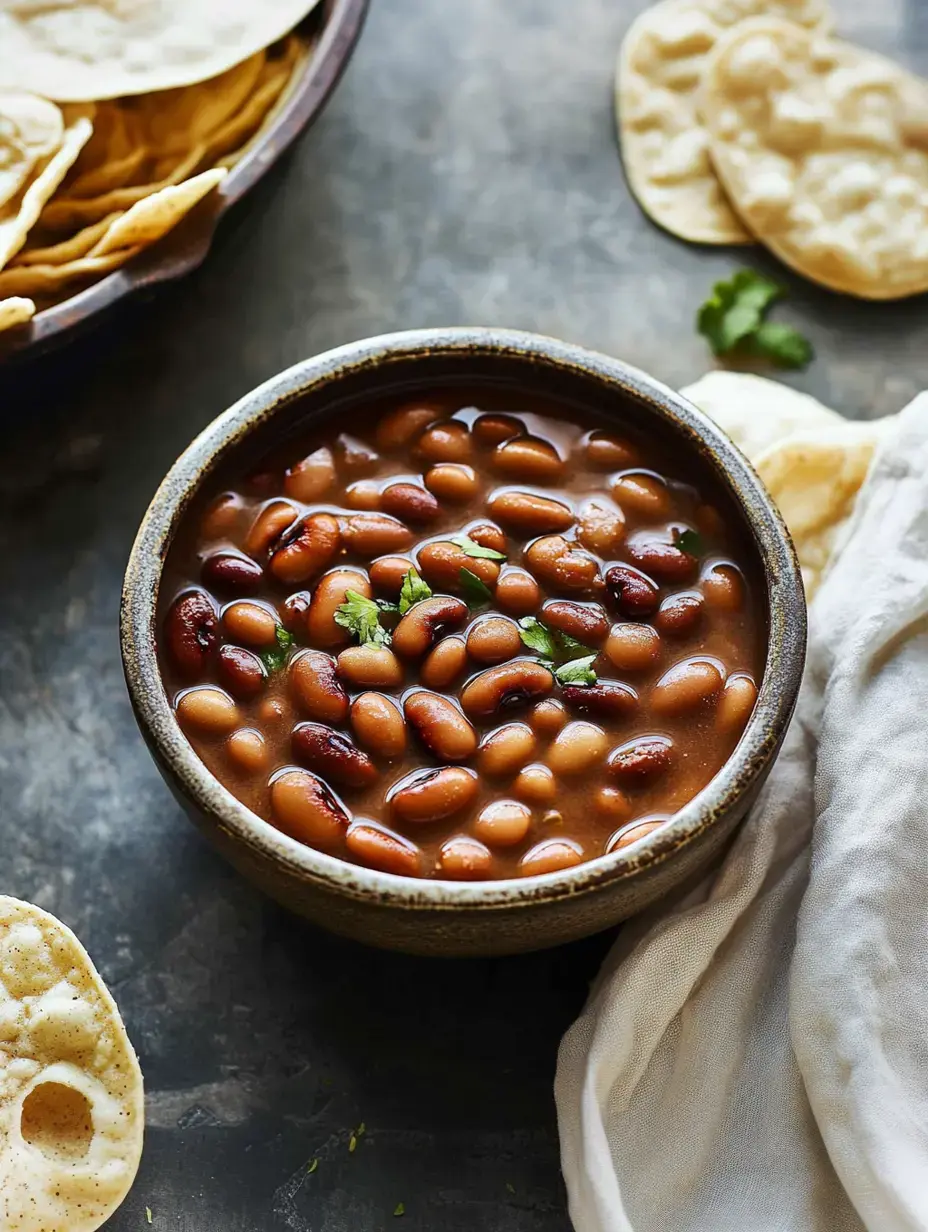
<point x="441" y="917"/>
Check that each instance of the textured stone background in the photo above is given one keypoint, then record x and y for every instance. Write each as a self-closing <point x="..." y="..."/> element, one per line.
<point x="465" y="172"/>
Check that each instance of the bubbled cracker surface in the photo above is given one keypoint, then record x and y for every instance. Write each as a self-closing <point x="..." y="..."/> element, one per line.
<point x="824" y="149"/>
<point x="664" y="144"/>
<point x="58" y="1023"/>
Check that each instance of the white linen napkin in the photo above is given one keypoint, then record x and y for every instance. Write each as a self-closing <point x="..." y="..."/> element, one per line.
<point x="754" y="1057"/>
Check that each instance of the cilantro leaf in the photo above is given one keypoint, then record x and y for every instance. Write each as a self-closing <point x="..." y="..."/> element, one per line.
<point x="781" y="344"/>
<point x="386" y="606"/>
<point x="534" y="634"/>
<point x="399" y="1209"/>
<point x="466" y="544"/>
<point x="732" y="319"/>
<point x="689" y="541"/>
<point x="577" y="671"/>
<point x="570" y="648"/>
<point x="275" y="658"/>
<point x="361" y="617"/>
<point x="476" y="593"/>
<point x="413" y="591"/>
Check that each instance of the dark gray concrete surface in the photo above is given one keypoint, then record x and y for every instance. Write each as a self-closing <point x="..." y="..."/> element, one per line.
<point x="465" y="172"/>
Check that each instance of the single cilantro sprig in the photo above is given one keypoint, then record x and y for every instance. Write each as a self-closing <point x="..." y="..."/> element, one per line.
<point x="733" y="321"/>
<point x="361" y="617"/>
<point x="559" y="648"/>
<point x="275" y="657"/>
<point x="577" y="671"/>
<point x="477" y="550"/>
<point x="476" y="593"/>
<point x="413" y="591"/>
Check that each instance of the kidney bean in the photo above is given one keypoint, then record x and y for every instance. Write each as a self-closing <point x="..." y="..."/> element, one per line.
<point x="431" y="795"/>
<point x="529" y="459"/>
<point x="207" y="710"/>
<point x="659" y="559"/>
<point x="559" y="565"/>
<point x="503" y="823"/>
<point x="425" y="622"/>
<point x="250" y="623"/>
<point x="636" y="595"/>
<point x="612" y="804"/>
<point x="709" y="521"/>
<point x="441" y="564"/>
<point x="365" y="494"/>
<point x="222" y="517"/>
<point x="585" y="622"/>
<point x="548" y="717"/>
<point x="410" y="503"/>
<point x="231" y="572"/>
<point x="248" y="749"/>
<point x="333" y="755"/>
<point x="633" y="833"/>
<point x="493" y="639"/>
<point x="490" y="430"/>
<point x="577" y="748"/>
<point x="397" y="428"/>
<point x="306" y="550"/>
<point x="641" y="759"/>
<point x="294" y="610"/>
<point x="525" y="513"/>
<point x="308" y="810"/>
<point x="609" y="699"/>
<point x="388" y="573"/>
<point x="550" y="856"/>
<point x="328" y="596"/>
<point x="506" y="750"/>
<point x="379" y="848"/>
<point x="510" y="684"/>
<point x="679" y="615"/>
<point x="632" y="647"/>
<point x="316" y="688"/>
<point x="240" y="671"/>
<point x="444" y="664"/>
<point x="379" y="725"/>
<point x="370" y="667"/>
<point x="355" y="457"/>
<point x="441" y="727"/>
<point x="269" y="525"/>
<point x="452" y="482"/>
<point x="464" y="859"/>
<point x="535" y="783"/>
<point x="489" y="535"/>
<point x="517" y="592"/>
<point x="445" y="442"/>
<point x="191" y="630"/>
<point x="374" y="534"/>
<point x="723" y="586"/>
<point x="736" y="704"/>
<point x="312" y="478"/>
<point x="605" y="452"/>
<point x="601" y="526"/>
<point x="687" y="686"/>
<point x="642" y="493"/>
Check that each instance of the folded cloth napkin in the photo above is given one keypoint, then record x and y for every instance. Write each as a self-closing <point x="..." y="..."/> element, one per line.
<point x="754" y="1056"/>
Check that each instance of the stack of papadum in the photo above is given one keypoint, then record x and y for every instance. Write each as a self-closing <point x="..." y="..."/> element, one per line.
<point x="116" y="119"/>
<point x="747" y="120"/>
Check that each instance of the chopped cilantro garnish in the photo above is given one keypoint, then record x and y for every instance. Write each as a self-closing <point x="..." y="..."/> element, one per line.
<point x="361" y="617"/>
<point x="275" y="658"/>
<point x="413" y="591"/>
<point x="361" y="1129"/>
<point x="148" y="1213"/>
<point x="313" y="1166"/>
<point x="466" y="544"/>
<point x="476" y="593"/>
<point x="577" y="671"/>
<point x="510" y="1188"/>
<point x="732" y="319"/>
<point x="399" y="1209"/>
<point x="551" y="644"/>
<point x="352" y="1143"/>
<point x="781" y="344"/>
<point x="689" y="541"/>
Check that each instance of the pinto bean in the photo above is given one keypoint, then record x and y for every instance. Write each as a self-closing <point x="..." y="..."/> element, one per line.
<point x="328" y="596"/>
<point x="397" y="429"/>
<point x="231" y="572"/>
<point x="431" y="795"/>
<point x="632" y="647"/>
<point x="388" y="573"/>
<point x="550" y="856"/>
<point x="529" y="459"/>
<point x="723" y="586"/>
<point x="312" y="478"/>
<point x="609" y="699"/>
<point x="634" y="833"/>
<point x="660" y="559"/>
<point x="355" y="457"/>
<point x="365" y="494"/>
<point x="444" y="664"/>
<point x="585" y="622"/>
<point x="535" y="783"/>
<point x="493" y="639"/>
<point x="207" y="710"/>
<point x="548" y="717"/>
<point x="331" y="754"/>
<point x="269" y="525"/>
<point x="559" y="565"/>
<point x="251" y="623"/>
<point x="601" y="526"/>
<point x="509" y="684"/>
<point x="612" y="804"/>
<point x="425" y="622"/>
<point x="445" y="442"/>
<point x="248" y="749"/>
<point x="380" y="848"/>
<point x="525" y="513"/>
<point x="464" y="859"/>
<point x="308" y="810"/>
<point x="222" y="517"/>
<point x="306" y="549"/>
<point x="736" y="703"/>
<point x="641" y="759"/>
<point x="577" y="748"/>
<point x="370" y="667"/>
<point x="191" y="630"/>
<point x="410" y="503"/>
<point x="294" y="610"/>
<point x="642" y="493"/>
<point x="489" y="535"/>
<point x="379" y="725"/>
<point x="636" y="595"/>
<point x="452" y="482"/>
<point x="506" y="750"/>
<point x="503" y="823"/>
<point x="441" y="727"/>
<point x="679" y="615"/>
<point x="494" y="429"/>
<point x="316" y="687"/>
<point x="374" y="534"/>
<point x="689" y="685"/>
<point x="240" y="671"/>
<point x="441" y="564"/>
<point x="606" y="452"/>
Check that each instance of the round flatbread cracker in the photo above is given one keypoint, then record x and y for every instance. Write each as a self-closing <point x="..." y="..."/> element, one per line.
<point x="31" y="128"/>
<point x="147" y="221"/>
<point x="823" y="148"/>
<point x="665" y="148"/>
<point x="71" y="1099"/>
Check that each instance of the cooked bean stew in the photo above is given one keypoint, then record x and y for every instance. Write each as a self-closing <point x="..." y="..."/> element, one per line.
<point x="463" y="643"/>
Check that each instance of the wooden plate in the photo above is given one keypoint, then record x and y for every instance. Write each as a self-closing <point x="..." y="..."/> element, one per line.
<point x="335" y="26"/>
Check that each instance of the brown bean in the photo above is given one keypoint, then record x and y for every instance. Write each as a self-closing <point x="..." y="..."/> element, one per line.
<point x="464" y="859"/>
<point x="331" y="754"/>
<point x="642" y="493"/>
<point x="269" y="525"/>
<point x="633" y="833"/>
<point x="365" y="494"/>
<point x="419" y="629"/>
<point x="494" y="429"/>
<point x="536" y="784"/>
<point x="444" y="664"/>
<point x="312" y="478"/>
<point x="374" y="534"/>
<point x="641" y="759"/>
<point x="548" y="717"/>
<point x="397" y="429"/>
<point x="308" y="810"/>
<point x="431" y="795"/>
<point x="222" y="517"/>
<point x="689" y="685"/>
<point x="577" y="748"/>
<point x="550" y="856"/>
<point x="379" y="725"/>
<point x="441" y="727"/>
<point x="632" y="647"/>
<point x="445" y="442"/>
<point x="306" y="549"/>
<point x="240" y="671"/>
<point x="709" y="521"/>
<point x="250" y="623"/>
<point x="272" y="711"/>
<point x="410" y="503"/>
<point x="679" y="615"/>
<point x="370" y="667"/>
<point x="248" y="749"/>
<point x="489" y="535"/>
<point x="636" y="595"/>
<point x="559" y="565"/>
<point x="441" y="564"/>
<point x="493" y="639"/>
<point x="525" y="513"/>
<point x="660" y="559"/>
<point x="503" y="823"/>
<point x="328" y="596"/>
<point x="612" y="804"/>
<point x="601" y="526"/>
<point x="723" y="586"/>
<point x="388" y="573"/>
<point x="231" y="572"/>
<point x="377" y="847"/>
<point x="510" y="684"/>
<point x="584" y="622"/>
<point x="191" y="630"/>
<point x="609" y="699"/>
<point x="316" y="688"/>
<point x="736" y="703"/>
<point x="207" y="710"/>
<point x="529" y="459"/>
<point x="517" y="592"/>
<point x="606" y="452"/>
<point x="505" y="751"/>
<point x="293" y="611"/>
<point x="452" y="482"/>
<point x="355" y="457"/>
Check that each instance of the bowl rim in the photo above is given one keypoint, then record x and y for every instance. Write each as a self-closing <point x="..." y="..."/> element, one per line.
<point x="744" y="769"/>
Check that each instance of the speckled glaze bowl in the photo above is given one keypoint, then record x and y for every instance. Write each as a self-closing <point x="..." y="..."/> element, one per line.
<point x="442" y="917"/>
